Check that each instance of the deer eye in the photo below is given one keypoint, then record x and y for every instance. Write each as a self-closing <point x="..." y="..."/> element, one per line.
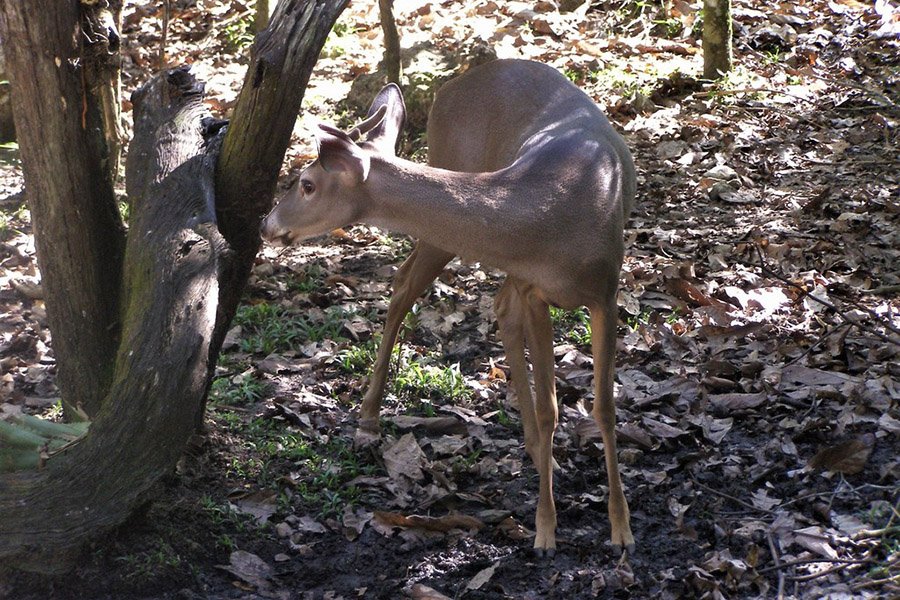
<point x="307" y="186"/>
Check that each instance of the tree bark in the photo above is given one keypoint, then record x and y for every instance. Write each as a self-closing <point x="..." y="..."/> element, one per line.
<point x="717" y="28"/>
<point x="163" y="310"/>
<point x="161" y="365"/>
<point x="80" y="241"/>
<point x="391" y="40"/>
<point x="282" y="60"/>
<point x="101" y="23"/>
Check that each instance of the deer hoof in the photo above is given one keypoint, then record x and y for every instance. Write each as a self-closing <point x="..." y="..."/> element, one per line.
<point x="617" y="549"/>
<point x="366" y="436"/>
<point x="545" y="552"/>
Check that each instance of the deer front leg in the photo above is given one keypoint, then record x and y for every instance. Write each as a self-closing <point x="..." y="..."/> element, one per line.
<point x="511" y="321"/>
<point x="603" y="346"/>
<point x="539" y="334"/>
<point x="416" y="273"/>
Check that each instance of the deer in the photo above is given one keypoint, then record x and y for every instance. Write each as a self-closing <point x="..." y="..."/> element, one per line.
<point x="525" y="174"/>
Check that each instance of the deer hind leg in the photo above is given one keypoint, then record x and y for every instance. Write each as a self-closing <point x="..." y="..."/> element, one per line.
<point x="511" y="321"/>
<point x="416" y="273"/>
<point x="603" y="346"/>
<point x="539" y="336"/>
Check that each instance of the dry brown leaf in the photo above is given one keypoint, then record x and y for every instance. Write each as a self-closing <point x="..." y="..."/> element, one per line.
<point x="433" y="425"/>
<point x="423" y="592"/>
<point x="514" y="530"/>
<point x="249" y="568"/>
<point x="736" y="401"/>
<point x="405" y="458"/>
<point x="445" y="524"/>
<point x="662" y="430"/>
<point x="848" y="457"/>
<point x="482" y="577"/>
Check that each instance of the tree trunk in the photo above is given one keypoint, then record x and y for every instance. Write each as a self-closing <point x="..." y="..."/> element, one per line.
<point x="716" y="38"/>
<point x="80" y="240"/>
<point x="283" y="58"/>
<point x="161" y="366"/>
<point x="101" y="23"/>
<point x="391" y="40"/>
<point x="162" y="311"/>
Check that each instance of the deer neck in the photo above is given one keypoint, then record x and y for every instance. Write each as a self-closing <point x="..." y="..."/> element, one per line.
<point x="442" y="207"/>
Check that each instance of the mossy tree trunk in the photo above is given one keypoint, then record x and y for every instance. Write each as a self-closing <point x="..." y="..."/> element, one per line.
<point x="137" y="321"/>
<point x="717" y="28"/>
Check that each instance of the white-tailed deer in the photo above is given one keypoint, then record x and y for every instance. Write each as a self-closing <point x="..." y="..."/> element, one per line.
<point x="525" y="175"/>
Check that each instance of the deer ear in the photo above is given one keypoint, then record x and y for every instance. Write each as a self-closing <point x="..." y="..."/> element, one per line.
<point x="339" y="154"/>
<point x="385" y="132"/>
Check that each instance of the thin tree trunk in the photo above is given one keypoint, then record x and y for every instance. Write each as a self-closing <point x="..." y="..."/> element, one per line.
<point x="391" y="40"/>
<point x="101" y="23"/>
<point x="717" y="28"/>
<point x="81" y="240"/>
<point x="283" y="58"/>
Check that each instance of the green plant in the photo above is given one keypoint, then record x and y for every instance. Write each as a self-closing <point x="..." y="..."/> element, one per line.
<point x="239" y="390"/>
<point x="12" y="220"/>
<point x="772" y="57"/>
<point x="239" y="34"/>
<point x="310" y="280"/>
<point x="671" y="27"/>
<point x="358" y="359"/>
<point x="425" y="382"/>
<point x="150" y="564"/>
<point x="335" y="43"/>
<point x="268" y="328"/>
<point x="576" y="324"/>
<point x="635" y="321"/>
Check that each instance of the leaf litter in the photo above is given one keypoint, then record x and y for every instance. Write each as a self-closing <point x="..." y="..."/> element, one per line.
<point x="757" y="375"/>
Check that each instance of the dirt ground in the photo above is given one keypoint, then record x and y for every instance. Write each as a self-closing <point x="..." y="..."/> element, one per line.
<point x="757" y="367"/>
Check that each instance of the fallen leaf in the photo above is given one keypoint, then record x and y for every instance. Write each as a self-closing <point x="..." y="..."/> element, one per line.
<point x="260" y="504"/>
<point x="353" y="521"/>
<point x="481" y="578"/>
<point x="249" y="568"/>
<point x="423" y="592"/>
<point x="514" y="530"/>
<point x="405" y="458"/>
<point x="445" y="524"/>
<point x="848" y="457"/>
<point x="736" y="401"/>
<point x="433" y="425"/>
<point x="815" y="540"/>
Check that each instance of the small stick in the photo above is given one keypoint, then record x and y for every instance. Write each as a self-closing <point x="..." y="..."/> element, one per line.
<point x="732" y="498"/>
<point x="762" y="265"/>
<point x="810" y="561"/>
<point x="165" y="35"/>
<point x="778" y="564"/>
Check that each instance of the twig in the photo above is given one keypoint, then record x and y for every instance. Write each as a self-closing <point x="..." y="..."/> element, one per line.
<point x="778" y="564"/>
<point x="810" y="561"/>
<point x="867" y="534"/>
<point x="165" y="36"/>
<point x="713" y="93"/>
<point x="876" y="582"/>
<point x="765" y="269"/>
<point x="732" y="498"/>
<point x="818" y="342"/>
<point x="812" y="576"/>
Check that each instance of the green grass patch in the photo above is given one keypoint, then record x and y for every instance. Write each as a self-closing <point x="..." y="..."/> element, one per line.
<point x="238" y="390"/>
<point x="422" y="381"/>
<point x="268" y="328"/>
<point x="575" y="325"/>
<point x="320" y="467"/>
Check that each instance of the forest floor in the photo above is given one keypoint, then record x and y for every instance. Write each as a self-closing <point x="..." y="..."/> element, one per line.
<point x="758" y="366"/>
